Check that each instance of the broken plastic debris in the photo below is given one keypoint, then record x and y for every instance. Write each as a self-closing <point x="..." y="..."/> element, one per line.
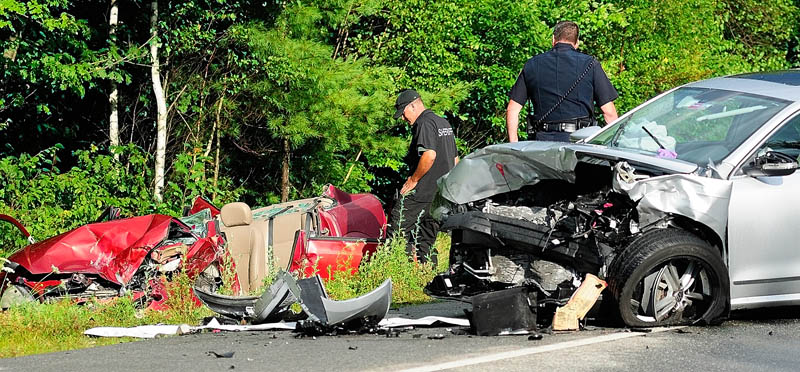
<point x="566" y="317"/>
<point x="426" y="321"/>
<point x="323" y="313"/>
<point x="353" y="313"/>
<point x="514" y="332"/>
<point x="227" y="354"/>
<point x="505" y="312"/>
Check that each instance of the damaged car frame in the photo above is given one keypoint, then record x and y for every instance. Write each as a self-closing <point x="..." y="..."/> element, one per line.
<point x="114" y="256"/>
<point x="684" y="205"/>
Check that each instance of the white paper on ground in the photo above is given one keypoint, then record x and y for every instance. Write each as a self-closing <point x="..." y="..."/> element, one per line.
<point x="214" y="324"/>
<point x="151" y="331"/>
<point x="426" y="321"/>
<point x="146" y="331"/>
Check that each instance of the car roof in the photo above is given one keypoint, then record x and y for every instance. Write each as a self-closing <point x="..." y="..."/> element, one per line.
<point x="777" y="84"/>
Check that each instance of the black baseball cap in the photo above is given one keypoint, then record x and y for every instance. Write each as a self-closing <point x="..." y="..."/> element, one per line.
<point x="403" y="99"/>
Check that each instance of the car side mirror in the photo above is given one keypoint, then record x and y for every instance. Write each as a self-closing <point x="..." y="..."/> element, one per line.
<point x="771" y="164"/>
<point x="583" y="133"/>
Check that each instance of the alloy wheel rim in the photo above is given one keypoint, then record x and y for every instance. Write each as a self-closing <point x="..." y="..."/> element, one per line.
<point x="678" y="289"/>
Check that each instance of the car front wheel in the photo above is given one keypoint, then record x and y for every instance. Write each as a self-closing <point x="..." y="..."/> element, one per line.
<point x="669" y="277"/>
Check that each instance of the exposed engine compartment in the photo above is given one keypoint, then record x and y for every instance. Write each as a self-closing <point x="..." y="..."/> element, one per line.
<point x="546" y="237"/>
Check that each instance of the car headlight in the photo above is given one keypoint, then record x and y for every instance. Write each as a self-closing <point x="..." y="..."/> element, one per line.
<point x="440" y="208"/>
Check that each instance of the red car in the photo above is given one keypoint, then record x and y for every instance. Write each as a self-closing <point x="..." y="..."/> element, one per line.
<point x="326" y="234"/>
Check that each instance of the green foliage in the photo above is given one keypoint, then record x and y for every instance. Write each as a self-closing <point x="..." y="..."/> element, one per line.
<point x="322" y="76"/>
<point x="390" y="260"/>
<point x="760" y="32"/>
<point x="48" y="201"/>
<point x="472" y="49"/>
<point x="326" y="109"/>
<point x="45" y="46"/>
<point x="189" y="179"/>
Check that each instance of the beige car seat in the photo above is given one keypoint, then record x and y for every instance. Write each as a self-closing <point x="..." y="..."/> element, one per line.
<point x="286" y="218"/>
<point x="246" y="242"/>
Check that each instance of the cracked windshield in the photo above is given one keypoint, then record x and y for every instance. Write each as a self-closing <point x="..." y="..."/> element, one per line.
<point x="697" y="125"/>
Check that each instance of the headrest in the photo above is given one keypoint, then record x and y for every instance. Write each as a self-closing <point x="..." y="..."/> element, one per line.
<point x="236" y="214"/>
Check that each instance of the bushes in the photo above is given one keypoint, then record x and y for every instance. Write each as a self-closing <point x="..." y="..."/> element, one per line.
<point x="48" y="201"/>
<point x="390" y="260"/>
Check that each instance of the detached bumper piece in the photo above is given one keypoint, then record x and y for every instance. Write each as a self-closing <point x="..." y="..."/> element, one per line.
<point x="323" y="315"/>
<point x="269" y="307"/>
<point x="507" y="312"/>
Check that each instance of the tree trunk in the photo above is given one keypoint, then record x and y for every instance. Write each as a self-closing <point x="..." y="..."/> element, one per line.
<point x="161" y="103"/>
<point x="113" y="119"/>
<point x="285" y="173"/>
<point x="217" y="124"/>
<point x="346" y="177"/>
<point x="216" y="168"/>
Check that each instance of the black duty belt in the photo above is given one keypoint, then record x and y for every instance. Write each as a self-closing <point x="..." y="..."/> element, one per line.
<point x="565" y="125"/>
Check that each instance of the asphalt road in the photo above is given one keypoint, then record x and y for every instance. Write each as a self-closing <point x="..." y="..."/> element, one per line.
<point x="763" y="341"/>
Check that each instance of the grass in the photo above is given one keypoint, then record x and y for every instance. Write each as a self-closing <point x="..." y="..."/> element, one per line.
<point x="390" y="260"/>
<point x="39" y="328"/>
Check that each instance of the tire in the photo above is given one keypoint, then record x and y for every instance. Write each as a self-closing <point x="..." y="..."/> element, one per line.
<point x="669" y="277"/>
<point x="15" y="295"/>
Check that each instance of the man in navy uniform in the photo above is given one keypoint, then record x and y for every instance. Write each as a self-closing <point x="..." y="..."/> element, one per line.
<point x="431" y="154"/>
<point x="563" y="85"/>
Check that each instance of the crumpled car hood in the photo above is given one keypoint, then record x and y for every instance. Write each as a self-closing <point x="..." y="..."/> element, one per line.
<point x="114" y="250"/>
<point x="507" y="167"/>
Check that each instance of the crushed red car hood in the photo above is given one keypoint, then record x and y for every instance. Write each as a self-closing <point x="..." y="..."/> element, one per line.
<point x="114" y="250"/>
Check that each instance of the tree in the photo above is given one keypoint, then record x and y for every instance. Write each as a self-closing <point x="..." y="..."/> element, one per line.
<point x="52" y="59"/>
<point x="297" y="101"/>
<point x="161" y="106"/>
<point x="113" y="117"/>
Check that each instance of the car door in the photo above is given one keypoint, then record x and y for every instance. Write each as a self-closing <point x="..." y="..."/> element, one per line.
<point x="764" y="230"/>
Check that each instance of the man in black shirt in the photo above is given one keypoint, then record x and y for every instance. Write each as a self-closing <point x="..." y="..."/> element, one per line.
<point x="431" y="154"/>
<point x="562" y="85"/>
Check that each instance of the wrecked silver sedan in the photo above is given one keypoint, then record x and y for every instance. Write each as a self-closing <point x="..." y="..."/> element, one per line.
<point x="686" y="206"/>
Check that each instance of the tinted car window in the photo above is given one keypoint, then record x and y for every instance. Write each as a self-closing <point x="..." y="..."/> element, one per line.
<point x="786" y="140"/>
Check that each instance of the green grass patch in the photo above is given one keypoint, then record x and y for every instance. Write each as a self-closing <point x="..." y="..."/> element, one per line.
<point x="38" y="328"/>
<point x="390" y="260"/>
<point x="34" y="328"/>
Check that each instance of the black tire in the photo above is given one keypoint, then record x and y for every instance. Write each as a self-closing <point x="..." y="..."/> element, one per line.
<point x="669" y="277"/>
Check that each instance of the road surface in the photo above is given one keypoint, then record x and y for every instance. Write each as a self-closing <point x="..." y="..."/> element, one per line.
<point x="763" y="341"/>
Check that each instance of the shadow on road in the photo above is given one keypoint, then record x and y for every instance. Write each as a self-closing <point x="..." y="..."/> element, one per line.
<point x="783" y="312"/>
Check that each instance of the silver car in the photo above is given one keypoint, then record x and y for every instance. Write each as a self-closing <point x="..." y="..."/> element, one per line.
<point x="687" y="206"/>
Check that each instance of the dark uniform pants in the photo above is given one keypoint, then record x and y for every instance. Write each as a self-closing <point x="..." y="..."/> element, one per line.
<point x="552" y="136"/>
<point x="413" y="219"/>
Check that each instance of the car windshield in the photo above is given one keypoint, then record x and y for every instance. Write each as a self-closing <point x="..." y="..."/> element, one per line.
<point x="197" y="222"/>
<point x="697" y="125"/>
